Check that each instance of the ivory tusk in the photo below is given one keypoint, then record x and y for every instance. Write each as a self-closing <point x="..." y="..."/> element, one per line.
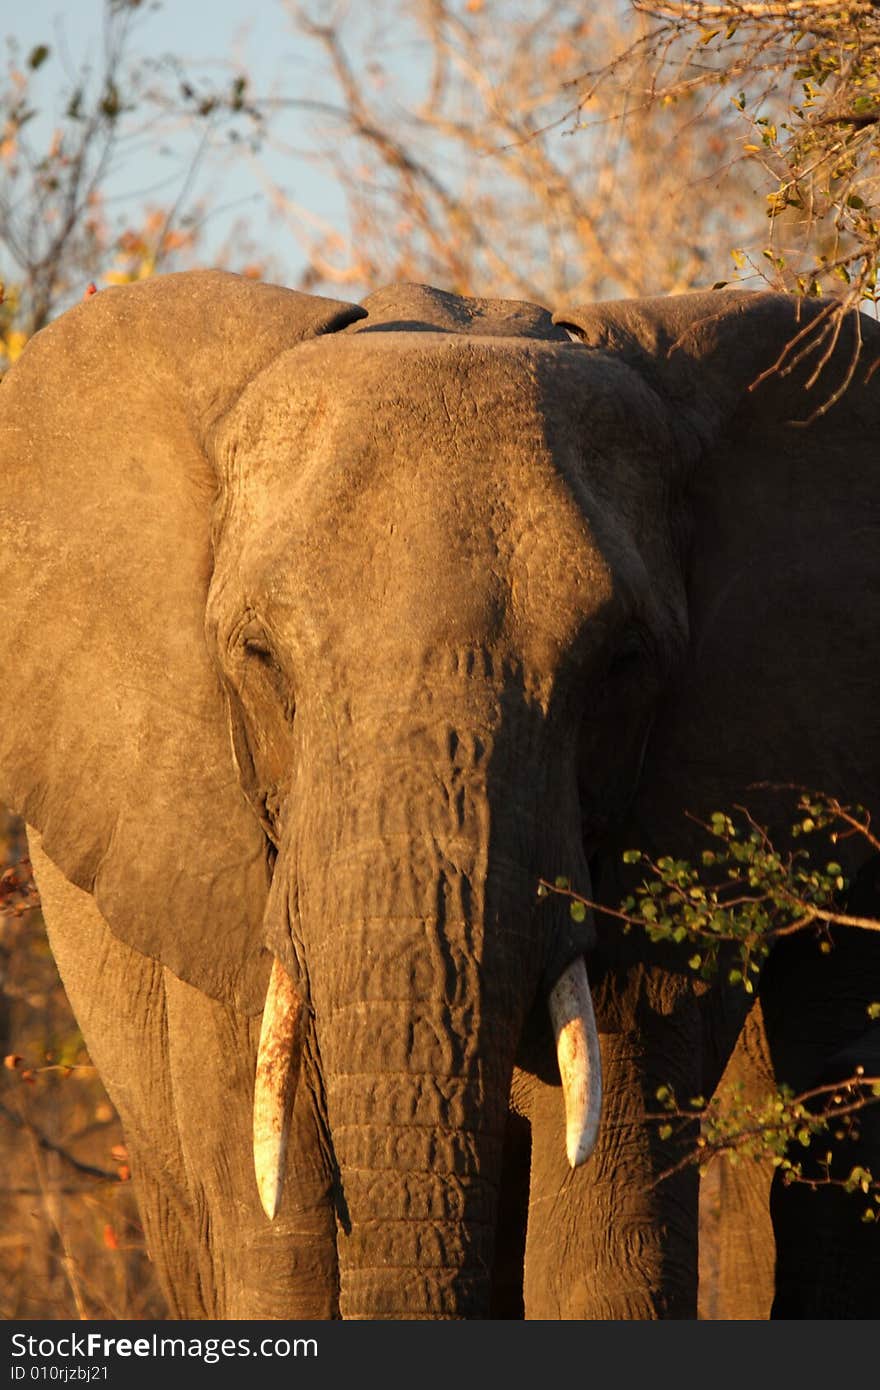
<point x="278" y="1061"/>
<point x="580" y="1064"/>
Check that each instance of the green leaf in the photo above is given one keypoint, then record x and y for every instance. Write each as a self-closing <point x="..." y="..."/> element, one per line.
<point x="631" y="856"/>
<point x="578" y="911"/>
<point x="562" y="882"/>
<point x="38" y="56"/>
<point x="665" y="1131"/>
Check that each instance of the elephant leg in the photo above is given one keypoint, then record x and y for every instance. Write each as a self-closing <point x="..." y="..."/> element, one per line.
<point x="611" y="1240"/>
<point x="262" y="1269"/>
<point x="815" y="1007"/>
<point x="118" y="997"/>
<point x="737" y="1249"/>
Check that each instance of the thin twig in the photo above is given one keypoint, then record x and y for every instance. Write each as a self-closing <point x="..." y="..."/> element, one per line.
<point x="49" y="1146"/>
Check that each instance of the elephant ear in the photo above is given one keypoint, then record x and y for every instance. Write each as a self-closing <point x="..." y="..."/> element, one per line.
<point x="780" y="493"/>
<point x="709" y="353"/>
<point x="113" y="732"/>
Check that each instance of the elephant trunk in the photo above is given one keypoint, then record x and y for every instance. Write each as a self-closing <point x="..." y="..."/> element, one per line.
<point x="411" y="894"/>
<point x="420" y="975"/>
<point x="417" y="1128"/>
<point x="417" y="1019"/>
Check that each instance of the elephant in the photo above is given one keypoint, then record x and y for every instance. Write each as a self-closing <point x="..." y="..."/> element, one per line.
<point x="329" y="631"/>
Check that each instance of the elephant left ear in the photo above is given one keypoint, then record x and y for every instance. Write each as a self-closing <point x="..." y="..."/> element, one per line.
<point x="776" y="486"/>
<point x="113" y="732"/>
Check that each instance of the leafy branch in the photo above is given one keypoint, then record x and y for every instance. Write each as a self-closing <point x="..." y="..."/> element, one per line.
<point x="745" y="894"/>
<point x="767" y="1129"/>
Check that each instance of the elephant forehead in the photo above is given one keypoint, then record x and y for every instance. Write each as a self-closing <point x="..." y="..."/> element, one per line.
<point x="453" y="385"/>
<point x="399" y="425"/>
<point x="415" y="484"/>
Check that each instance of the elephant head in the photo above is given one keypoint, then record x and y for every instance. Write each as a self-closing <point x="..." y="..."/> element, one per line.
<point x="330" y="630"/>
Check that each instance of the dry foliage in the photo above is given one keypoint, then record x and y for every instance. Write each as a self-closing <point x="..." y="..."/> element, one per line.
<point x="71" y="1243"/>
<point x="805" y="77"/>
<point x="449" y="132"/>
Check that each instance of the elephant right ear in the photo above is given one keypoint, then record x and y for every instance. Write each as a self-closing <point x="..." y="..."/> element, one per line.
<point x="706" y="352"/>
<point x="113" y="731"/>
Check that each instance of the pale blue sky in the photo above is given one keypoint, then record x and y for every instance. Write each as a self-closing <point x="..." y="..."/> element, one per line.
<point x="207" y="35"/>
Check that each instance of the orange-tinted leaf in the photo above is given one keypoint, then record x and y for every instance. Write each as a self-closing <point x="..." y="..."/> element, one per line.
<point x="564" y="54"/>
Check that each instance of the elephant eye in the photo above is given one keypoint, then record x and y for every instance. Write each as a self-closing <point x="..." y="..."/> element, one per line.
<point x="254" y="642"/>
<point x="630" y="652"/>
<point x="262" y="664"/>
<point x="258" y="647"/>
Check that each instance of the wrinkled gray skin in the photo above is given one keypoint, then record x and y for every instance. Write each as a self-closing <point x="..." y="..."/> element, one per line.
<point x="476" y="603"/>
